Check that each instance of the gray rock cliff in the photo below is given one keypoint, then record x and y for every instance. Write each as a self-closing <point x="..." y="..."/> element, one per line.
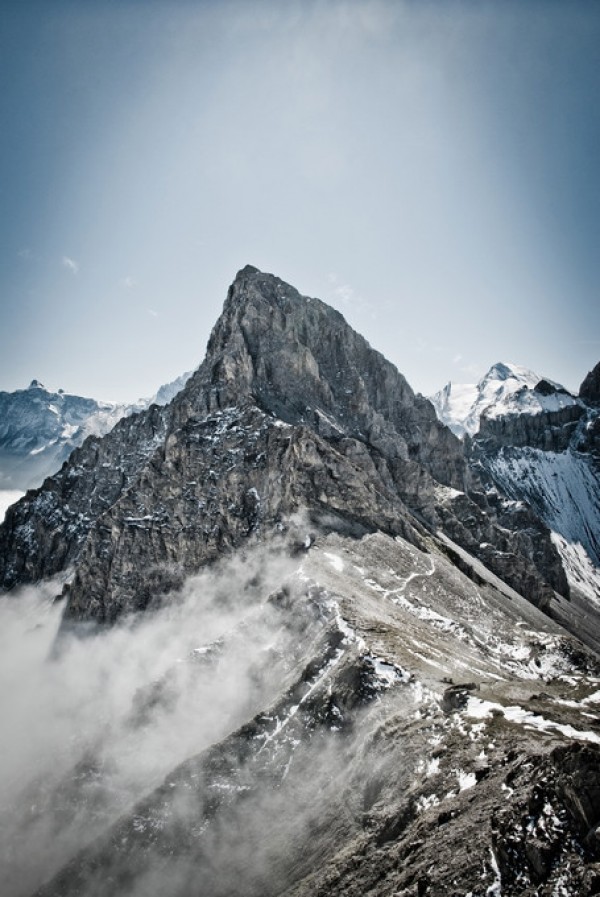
<point x="291" y="411"/>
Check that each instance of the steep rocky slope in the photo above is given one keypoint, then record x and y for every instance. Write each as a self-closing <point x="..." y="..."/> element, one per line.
<point x="286" y="385"/>
<point x="536" y="443"/>
<point x="334" y="664"/>
<point x="398" y="729"/>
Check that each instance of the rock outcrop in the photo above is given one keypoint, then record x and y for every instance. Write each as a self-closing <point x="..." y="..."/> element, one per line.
<point x="589" y="390"/>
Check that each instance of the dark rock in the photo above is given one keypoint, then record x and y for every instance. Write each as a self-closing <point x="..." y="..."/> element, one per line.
<point x="589" y="390"/>
<point x="456" y="696"/>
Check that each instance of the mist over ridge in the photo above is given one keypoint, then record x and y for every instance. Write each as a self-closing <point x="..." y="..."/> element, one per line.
<point x="287" y="634"/>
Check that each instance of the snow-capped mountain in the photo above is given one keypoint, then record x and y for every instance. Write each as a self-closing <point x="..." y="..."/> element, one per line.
<point x="505" y="389"/>
<point x="275" y="639"/>
<point x="40" y="427"/>
<point x="537" y="443"/>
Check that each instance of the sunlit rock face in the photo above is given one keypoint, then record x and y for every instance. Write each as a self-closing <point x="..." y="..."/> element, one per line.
<point x="301" y="650"/>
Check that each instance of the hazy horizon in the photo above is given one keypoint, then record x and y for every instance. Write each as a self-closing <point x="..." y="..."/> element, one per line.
<point x="430" y="169"/>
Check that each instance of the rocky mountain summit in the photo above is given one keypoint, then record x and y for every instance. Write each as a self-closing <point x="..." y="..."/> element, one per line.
<point x="305" y="646"/>
<point x="286" y="385"/>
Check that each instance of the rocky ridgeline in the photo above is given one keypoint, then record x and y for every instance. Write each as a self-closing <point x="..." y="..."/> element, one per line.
<point x="291" y="411"/>
<point x="367" y="763"/>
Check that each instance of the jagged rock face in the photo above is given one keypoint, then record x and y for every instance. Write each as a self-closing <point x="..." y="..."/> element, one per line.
<point x="222" y="486"/>
<point x="550" y="461"/>
<point x="299" y="360"/>
<point x="550" y="431"/>
<point x="46" y="531"/>
<point x="39" y="429"/>
<point x="291" y="410"/>
<point x="589" y="390"/>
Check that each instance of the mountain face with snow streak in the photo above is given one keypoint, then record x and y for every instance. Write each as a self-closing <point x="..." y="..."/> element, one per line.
<point x="537" y="443"/>
<point x="299" y="650"/>
<point x="39" y="428"/>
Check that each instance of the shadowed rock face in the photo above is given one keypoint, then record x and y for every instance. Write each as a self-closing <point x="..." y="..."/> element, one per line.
<point x="589" y="390"/>
<point x="549" y="431"/>
<point x="290" y="411"/>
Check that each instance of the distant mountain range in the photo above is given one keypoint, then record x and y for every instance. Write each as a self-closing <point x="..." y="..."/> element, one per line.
<point x="39" y="428"/>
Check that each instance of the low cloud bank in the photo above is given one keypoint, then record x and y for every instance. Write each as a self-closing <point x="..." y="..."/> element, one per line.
<point x="91" y="728"/>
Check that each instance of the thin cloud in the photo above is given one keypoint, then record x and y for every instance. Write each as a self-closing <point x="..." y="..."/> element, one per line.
<point x="343" y="291"/>
<point x="471" y="370"/>
<point x="129" y="282"/>
<point x="25" y="254"/>
<point x="151" y="312"/>
<point x="70" y="264"/>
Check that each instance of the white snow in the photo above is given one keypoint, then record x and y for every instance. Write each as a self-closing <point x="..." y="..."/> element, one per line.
<point x="505" y="389"/>
<point x="386" y="673"/>
<point x="495" y="889"/>
<point x="480" y="709"/>
<point x="433" y="767"/>
<point x="466" y="780"/>
<point x="335" y="561"/>
<point x="581" y="572"/>
<point x="424" y="803"/>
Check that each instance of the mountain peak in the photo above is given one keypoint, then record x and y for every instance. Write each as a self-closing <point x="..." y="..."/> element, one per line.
<point x="299" y="360"/>
<point x="247" y="269"/>
<point x="507" y="371"/>
<point x="506" y="389"/>
<point x="36" y="384"/>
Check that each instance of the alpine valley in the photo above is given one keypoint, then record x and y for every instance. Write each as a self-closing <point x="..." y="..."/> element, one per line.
<point x="291" y="634"/>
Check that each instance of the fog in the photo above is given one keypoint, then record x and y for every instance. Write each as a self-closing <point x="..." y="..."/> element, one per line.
<point x="92" y="722"/>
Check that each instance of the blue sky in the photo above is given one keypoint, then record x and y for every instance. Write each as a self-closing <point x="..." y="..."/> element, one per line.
<point x="431" y="169"/>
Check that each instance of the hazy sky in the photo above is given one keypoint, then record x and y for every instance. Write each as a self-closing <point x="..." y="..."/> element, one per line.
<point x="429" y="168"/>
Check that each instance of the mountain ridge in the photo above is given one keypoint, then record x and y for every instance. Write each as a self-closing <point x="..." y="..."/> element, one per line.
<point x="534" y="441"/>
<point x="297" y="360"/>
<point x="305" y="647"/>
